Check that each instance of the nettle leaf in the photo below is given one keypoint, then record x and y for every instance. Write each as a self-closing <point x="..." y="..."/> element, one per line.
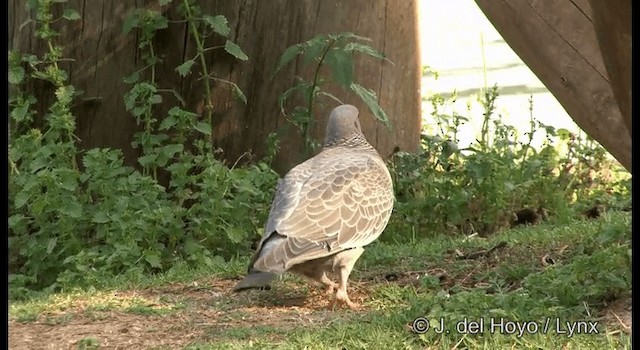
<point x="68" y="181"/>
<point x="15" y="58"/>
<point x="16" y="75"/>
<point x="147" y="160"/>
<point x="341" y="64"/>
<point x="168" y="122"/>
<point x="155" y="99"/>
<point x="65" y="93"/>
<point x="138" y="111"/>
<point x="132" y="21"/>
<point x="159" y="21"/>
<point x="172" y="149"/>
<point x="72" y="209"/>
<point x="138" y="91"/>
<point x="21" y="199"/>
<point x="204" y="128"/>
<point x="164" y="2"/>
<point x="236" y="234"/>
<point x="290" y="53"/>
<point x="31" y="4"/>
<point x="15" y="219"/>
<point x="366" y="49"/>
<point x="219" y="24"/>
<point x="100" y="218"/>
<point x="132" y="79"/>
<point x="181" y="113"/>
<point x="371" y="100"/>
<point x="564" y="134"/>
<point x="349" y="35"/>
<point x="39" y="206"/>
<point x="71" y="15"/>
<point x="52" y="244"/>
<point x="163" y="158"/>
<point x="235" y="50"/>
<point x="314" y="48"/>
<point x="21" y="112"/>
<point x="239" y="94"/>
<point x="185" y="68"/>
<point x="153" y="259"/>
<point x="192" y="246"/>
<point x="319" y="40"/>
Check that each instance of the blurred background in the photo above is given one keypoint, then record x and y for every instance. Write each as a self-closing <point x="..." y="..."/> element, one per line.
<point x="463" y="53"/>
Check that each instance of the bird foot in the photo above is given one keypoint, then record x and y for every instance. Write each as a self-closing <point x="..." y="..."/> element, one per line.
<point x="330" y="289"/>
<point x="343" y="299"/>
<point x="351" y="305"/>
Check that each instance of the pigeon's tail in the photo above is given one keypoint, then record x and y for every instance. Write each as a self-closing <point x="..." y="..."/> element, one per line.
<point x="255" y="280"/>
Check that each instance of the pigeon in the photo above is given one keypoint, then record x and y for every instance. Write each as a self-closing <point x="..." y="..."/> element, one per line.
<point x="325" y="211"/>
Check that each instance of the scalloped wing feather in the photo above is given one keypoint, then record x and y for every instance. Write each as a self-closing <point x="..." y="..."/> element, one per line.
<point x="338" y="200"/>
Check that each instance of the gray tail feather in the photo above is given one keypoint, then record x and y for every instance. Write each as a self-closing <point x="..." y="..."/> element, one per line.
<point x="255" y="280"/>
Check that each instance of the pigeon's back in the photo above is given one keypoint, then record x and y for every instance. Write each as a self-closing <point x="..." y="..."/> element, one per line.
<point x="340" y="199"/>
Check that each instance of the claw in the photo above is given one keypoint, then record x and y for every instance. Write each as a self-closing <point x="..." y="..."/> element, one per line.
<point x="341" y="298"/>
<point x="330" y="289"/>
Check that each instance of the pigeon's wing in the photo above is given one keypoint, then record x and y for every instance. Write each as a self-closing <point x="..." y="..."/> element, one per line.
<point x="288" y="194"/>
<point x="337" y="203"/>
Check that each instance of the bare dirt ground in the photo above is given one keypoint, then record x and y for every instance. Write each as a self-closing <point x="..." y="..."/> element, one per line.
<point x="174" y="315"/>
<point x="618" y="315"/>
<point x="208" y="310"/>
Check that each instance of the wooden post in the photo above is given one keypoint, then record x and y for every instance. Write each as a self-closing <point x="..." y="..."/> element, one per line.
<point x="557" y="40"/>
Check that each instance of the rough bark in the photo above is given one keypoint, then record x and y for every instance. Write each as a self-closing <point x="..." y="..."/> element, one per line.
<point x="557" y="40"/>
<point x="264" y="29"/>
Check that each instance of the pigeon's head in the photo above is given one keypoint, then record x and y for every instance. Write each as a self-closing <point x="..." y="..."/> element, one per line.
<point x="343" y="125"/>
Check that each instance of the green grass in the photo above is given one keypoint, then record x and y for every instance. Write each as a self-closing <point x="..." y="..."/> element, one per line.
<point x="88" y="344"/>
<point x="565" y="273"/>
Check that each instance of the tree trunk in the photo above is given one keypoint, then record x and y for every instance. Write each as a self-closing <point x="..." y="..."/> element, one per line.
<point x="263" y="29"/>
<point x="557" y="40"/>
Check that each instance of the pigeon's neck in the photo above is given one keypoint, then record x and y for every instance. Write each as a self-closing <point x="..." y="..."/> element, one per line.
<point x="355" y="140"/>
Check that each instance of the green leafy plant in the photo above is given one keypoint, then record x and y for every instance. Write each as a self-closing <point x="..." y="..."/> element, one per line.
<point x="200" y="27"/>
<point x="157" y="147"/>
<point x="79" y="217"/>
<point x="72" y="225"/>
<point x="482" y="188"/>
<point x="580" y="282"/>
<point x="335" y="51"/>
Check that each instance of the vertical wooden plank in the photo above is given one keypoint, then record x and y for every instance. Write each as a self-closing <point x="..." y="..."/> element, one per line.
<point x="103" y="55"/>
<point x="265" y="29"/>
